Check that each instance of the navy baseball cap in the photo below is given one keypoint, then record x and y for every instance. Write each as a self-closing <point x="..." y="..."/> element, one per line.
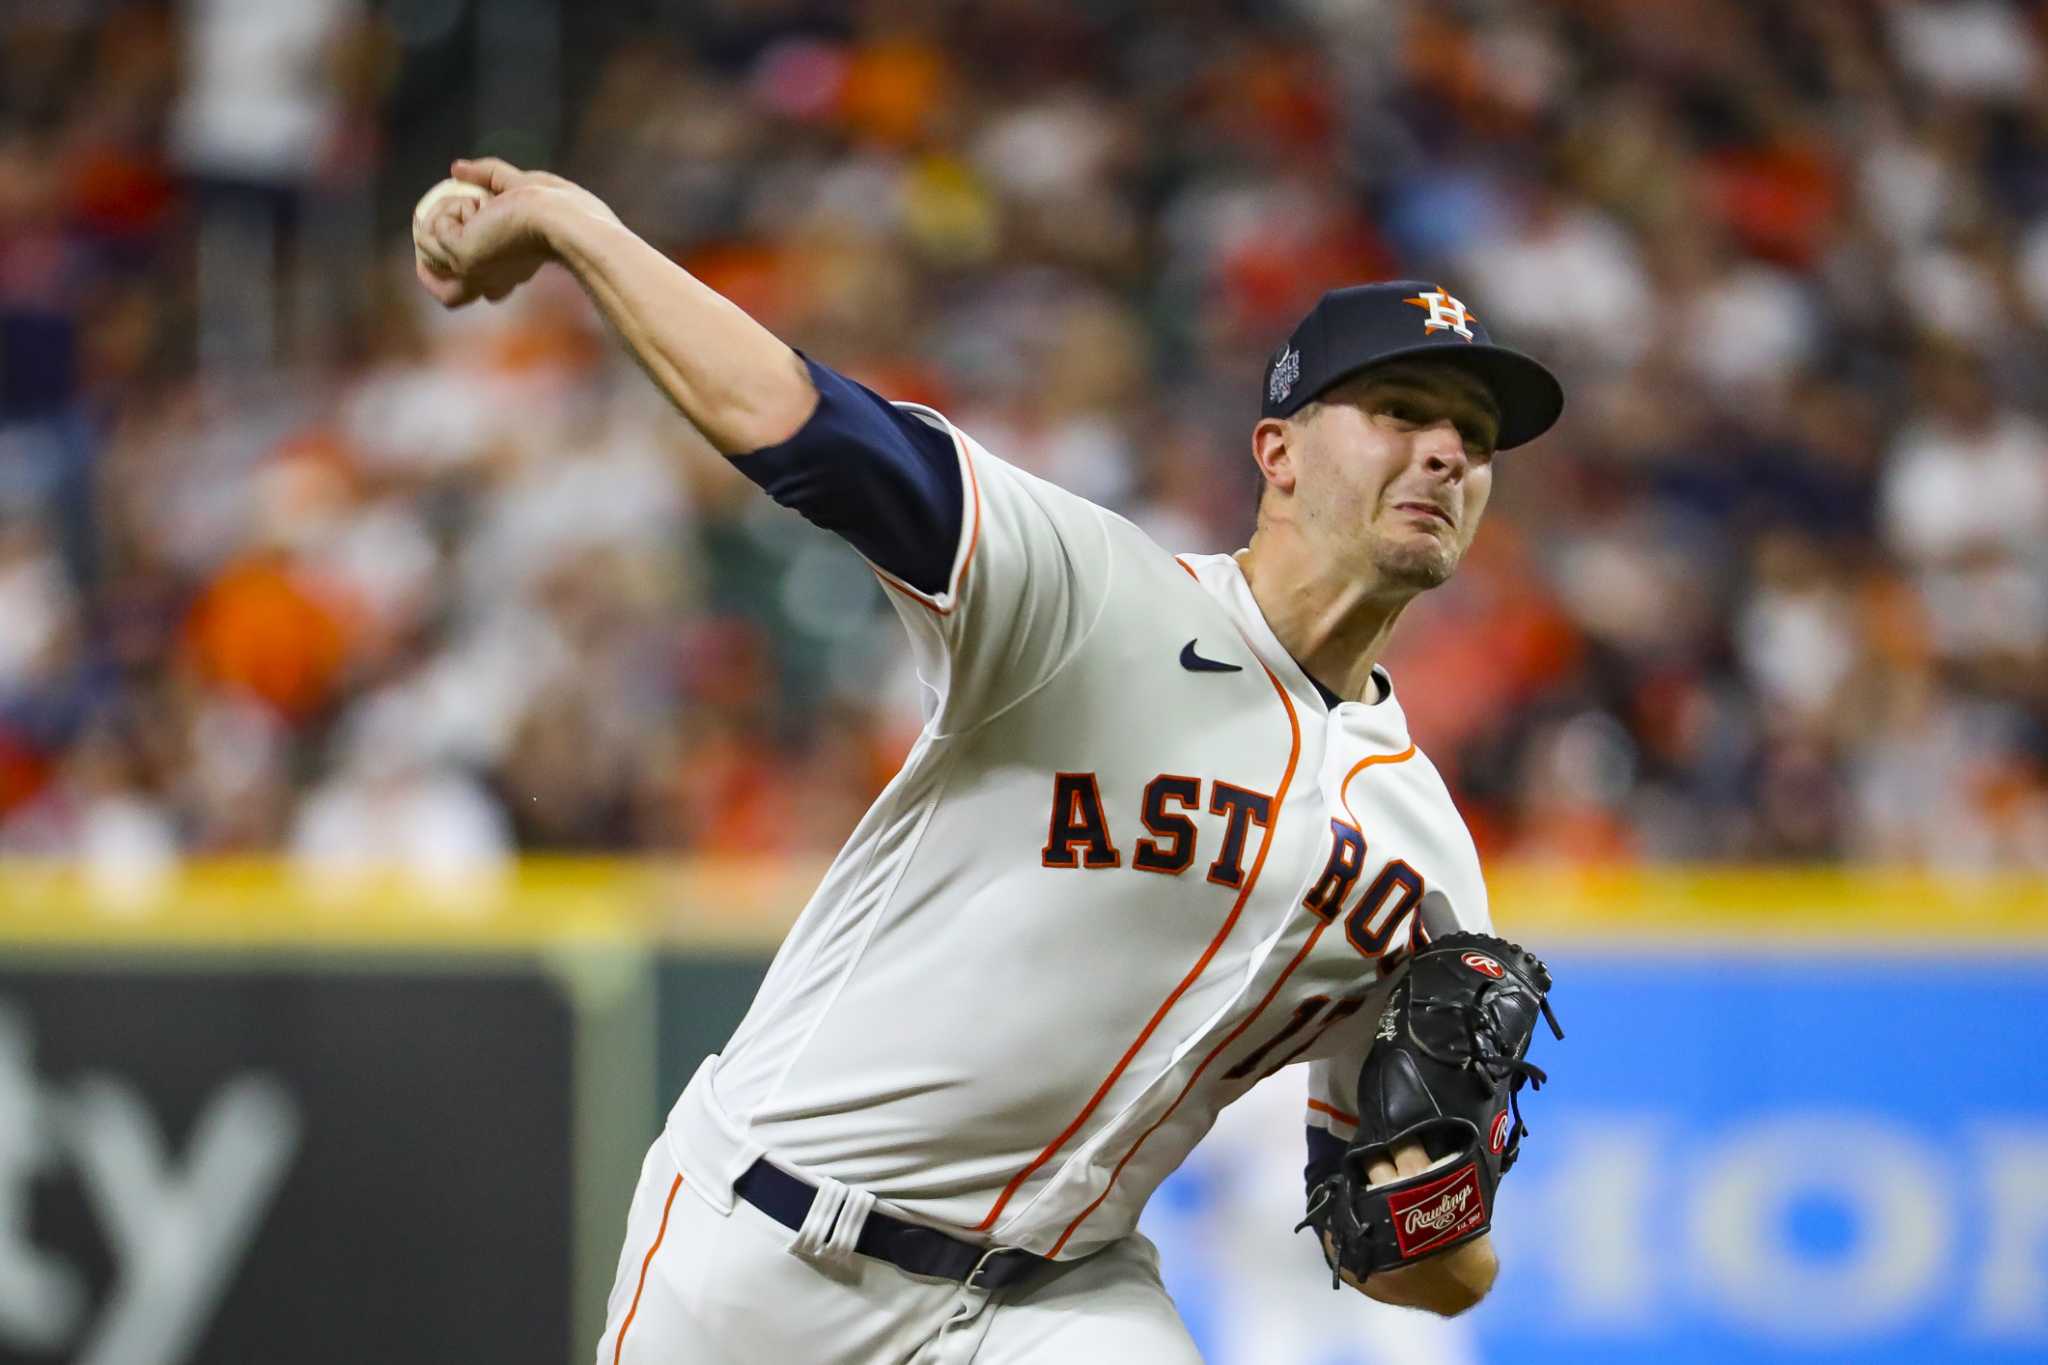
<point x="1355" y="328"/>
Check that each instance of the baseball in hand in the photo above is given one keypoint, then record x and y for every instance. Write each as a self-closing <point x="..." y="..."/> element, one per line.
<point x="423" y="212"/>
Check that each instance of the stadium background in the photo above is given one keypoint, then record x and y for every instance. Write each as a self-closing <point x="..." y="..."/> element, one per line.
<point x="412" y="739"/>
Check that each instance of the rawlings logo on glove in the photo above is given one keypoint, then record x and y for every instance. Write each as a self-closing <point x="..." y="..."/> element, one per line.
<point x="1425" y="1217"/>
<point x="1446" y="1070"/>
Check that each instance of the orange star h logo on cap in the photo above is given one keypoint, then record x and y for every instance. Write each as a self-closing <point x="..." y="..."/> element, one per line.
<point x="1446" y="314"/>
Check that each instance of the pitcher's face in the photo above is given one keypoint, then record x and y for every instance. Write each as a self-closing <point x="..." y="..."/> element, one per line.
<point x="1393" y="469"/>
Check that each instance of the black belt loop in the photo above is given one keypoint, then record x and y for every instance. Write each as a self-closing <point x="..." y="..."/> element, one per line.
<point x="910" y="1247"/>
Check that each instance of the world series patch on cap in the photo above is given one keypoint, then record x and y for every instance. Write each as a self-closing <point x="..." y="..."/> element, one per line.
<point x="1364" y="325"/>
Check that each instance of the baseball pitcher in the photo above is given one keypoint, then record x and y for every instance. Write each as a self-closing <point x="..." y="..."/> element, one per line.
<point x="1164" y="832"/>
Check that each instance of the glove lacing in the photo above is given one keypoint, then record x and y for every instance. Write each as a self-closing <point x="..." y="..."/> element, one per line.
<point x="1333" y="1245"/>
<point x="1487" y="1051"/>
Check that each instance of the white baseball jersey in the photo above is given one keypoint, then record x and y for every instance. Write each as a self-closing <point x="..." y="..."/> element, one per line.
<point x="1134" y="864"/>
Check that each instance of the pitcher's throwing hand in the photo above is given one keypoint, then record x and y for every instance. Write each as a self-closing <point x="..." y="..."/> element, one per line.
<point x="485" y="245"/>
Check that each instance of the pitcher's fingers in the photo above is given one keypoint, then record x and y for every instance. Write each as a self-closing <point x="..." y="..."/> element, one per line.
<point x="430" y="238"/>
<point x="428" y="256"/>
<point x="1410" y="1158"/>
<point x="449" y="293"/>
<point x="441" y="244"/>
<point x="451" y="231"/>
<point x="428" y="247"/>
<point x="493" y="173"/>
<point x="451" y="215"/>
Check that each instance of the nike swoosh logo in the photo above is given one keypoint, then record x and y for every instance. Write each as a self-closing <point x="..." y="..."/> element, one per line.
<point x="1195" y="663"/>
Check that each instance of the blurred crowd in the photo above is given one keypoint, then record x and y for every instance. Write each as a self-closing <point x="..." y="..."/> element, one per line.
<point x="289" y="560"/>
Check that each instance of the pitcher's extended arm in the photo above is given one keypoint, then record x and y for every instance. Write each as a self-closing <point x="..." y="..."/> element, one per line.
<point x="734" y="379"/>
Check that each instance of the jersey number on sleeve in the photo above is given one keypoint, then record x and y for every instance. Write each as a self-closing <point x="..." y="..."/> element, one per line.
<point x="1304" y="1014"/>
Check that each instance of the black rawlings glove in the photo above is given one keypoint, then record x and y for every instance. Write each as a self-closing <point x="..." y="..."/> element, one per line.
<point x="1446" y="1068"/>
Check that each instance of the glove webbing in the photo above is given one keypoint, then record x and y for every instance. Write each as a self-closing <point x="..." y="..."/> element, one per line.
<point x="1488" y="1054"/>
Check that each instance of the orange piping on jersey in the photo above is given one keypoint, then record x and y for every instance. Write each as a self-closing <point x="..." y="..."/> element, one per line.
<point x="662" y="1232"/>
<point x="1260" y="1008"/>
<point x="1194" y="972"/>
<point x="1299" y="957"/>
<point x="973" y="539"/>
<point x="1344" y="792"/>
<point x="1334" y="1112"/>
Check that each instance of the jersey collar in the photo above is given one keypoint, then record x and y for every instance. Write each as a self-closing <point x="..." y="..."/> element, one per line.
<point x="1224" y="579"/>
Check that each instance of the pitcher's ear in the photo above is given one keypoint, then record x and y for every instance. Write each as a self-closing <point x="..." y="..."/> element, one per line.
<point x="1273" y="452"/>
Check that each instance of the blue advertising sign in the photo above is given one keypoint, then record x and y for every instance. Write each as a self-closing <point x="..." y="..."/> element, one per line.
<point x="1785" y="1160"/>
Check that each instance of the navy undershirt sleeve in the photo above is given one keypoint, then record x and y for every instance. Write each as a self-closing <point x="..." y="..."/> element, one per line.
<point x="1325" y="1155"/>
<point x="866" y="470"/>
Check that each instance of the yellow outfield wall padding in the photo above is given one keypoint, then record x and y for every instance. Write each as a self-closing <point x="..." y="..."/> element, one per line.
<point x="747" y="904"/>
<point x="1884" y="907"/>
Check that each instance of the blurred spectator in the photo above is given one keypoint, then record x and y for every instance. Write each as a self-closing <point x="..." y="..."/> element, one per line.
<point x="392" y="803"/>
<point x="420" y="589"/>
<point x="1966" y="508"/>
